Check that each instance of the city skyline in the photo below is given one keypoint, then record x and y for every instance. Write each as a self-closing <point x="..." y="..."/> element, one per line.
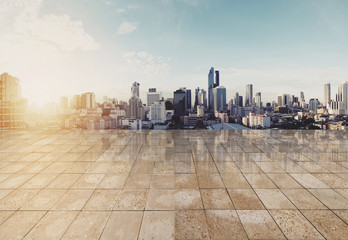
<point x="62" y="48"/>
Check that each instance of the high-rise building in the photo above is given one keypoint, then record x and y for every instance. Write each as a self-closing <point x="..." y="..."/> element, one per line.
<point x="188" y="100"/>
<point x="343" y="96"/>
<point x="75" y="102"/>
<point x="219" y="94"/>
<point x="249" y="95"/>
<point x="280" y="101"/>
<point x="88" y="100"/>
<point x="179" y="102"/>
<point x="136" y="108"/>
<point x="217" y="79"/>
<point x="302" y="98"/>
<point x="258" y="100"/>
<point x="210" y="88"/>
<point x="286" y="100"/>
<point x="314" y="104"/>
<point x="236" y="99"/>
<point x="327" y="94"/>
<point x="153" y="96"/>
<point x="202" y="98"/>
<point x="240" y="102"/>
<point x="157" y="112"/>
<point x="12" y="105"/>
<point x="64" y="103"/>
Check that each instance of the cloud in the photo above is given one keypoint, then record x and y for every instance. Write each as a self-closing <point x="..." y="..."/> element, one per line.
<point x="22" y="20"/>
<point x="146" y="63"/>
<point x="121" y="10"/>
<point x="127" y="27"/>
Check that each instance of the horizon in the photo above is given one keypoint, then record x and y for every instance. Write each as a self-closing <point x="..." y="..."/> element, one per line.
<point x="65" y="48"/>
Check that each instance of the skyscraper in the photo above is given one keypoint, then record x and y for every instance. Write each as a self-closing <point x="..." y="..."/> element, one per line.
<point x="219" y="94"/>
<point x="217" y="79"/>
<point x="210" y="88"/>
<point x="76" y="102"/>
<point x="136" y="108"/>
<point x="236" y="99"/>
<point x="258" y="100"/>
<point x="88" y="100"/>
<point x="249" y="95"/>
<point x="12" y="105"/>
<point x="302" y="98"/>
<point x="179" y="102"/>
<point x="327" y="93"/>
<point x="153" y="96"/>
<point x="202" y="98"/>
<point x="344" y="96"/>
<point x="313" y="104"/>
<point x="280" y="101"/>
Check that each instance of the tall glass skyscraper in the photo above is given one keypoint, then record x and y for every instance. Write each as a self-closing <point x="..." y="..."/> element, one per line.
<point x="249" y="95"/>
<point x="219" y="99"/>
<point x="210" y="88"/>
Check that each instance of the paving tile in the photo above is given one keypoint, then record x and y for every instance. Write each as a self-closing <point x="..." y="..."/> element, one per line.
<point x="327" y="223"/>
<point x="113" y="180"/>
<point x="16" y="199"/>
<point x="303" y="199"/>
<point x="19" y="224"/>
<point x="131" y="199"/>
<point x="52" y="225"/>
<point x="39" y="180"/>
<point x="87" y="225"/>
<point x="274" y="199"/>
<point x="294" y="225"/>
<point x="284" y="181"/>
<point x="88" y="181"/>
<point x="44" y="200"/>
<point x="187" y="199"/>
<point x="161" y="199"/>
<point x="245" y="199"/>
<point x="210" y="181"/>
<point x="4" y="215"/>
<point x="216" y="199"/>
<point x="224" y="224"/>
<point x="259" y="181"/>
<point x="63" y="181"/>
<point x="330" y="198"/>
<point x="309" y="181"/>
<point x="343" y="214"/>
<point x="102" y="200"/>
<point x="157" y="225"/>
<point x="123" y="225"/>
<point x="191" y="224"/>
<point x="258" y="224"/>
<point x="162" y="181"/>
<point x="138" y="181"/>
<point x="185" y="181"/>
<point x="73" y="200"/>
<point x="235" y="181"/>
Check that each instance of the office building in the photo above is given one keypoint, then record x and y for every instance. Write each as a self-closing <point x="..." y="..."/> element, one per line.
<point x="88" y="100"/>
<point x="249" y="95"/>
<point x="219" y="94"/>
<point x="153" y="96"/>
<point x="136" y="108"/>
<point x="157" y="112"/>
<point x="327" y="94"/>
<point x="179" y="102"/>
<point x="75" y="102"/>
<point x="343" y="96"/>
<point x="210" y="88"/>
<point x="258" y="100"/>
<point x="12" y="105"/>
<point x="286" y="100"/>
<point x="314" y="104"/>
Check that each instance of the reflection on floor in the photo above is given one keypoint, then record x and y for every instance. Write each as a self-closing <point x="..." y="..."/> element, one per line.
<point x="229" y="184"/>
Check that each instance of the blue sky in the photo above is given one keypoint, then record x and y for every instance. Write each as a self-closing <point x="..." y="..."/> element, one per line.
<point x="66" y="47"/>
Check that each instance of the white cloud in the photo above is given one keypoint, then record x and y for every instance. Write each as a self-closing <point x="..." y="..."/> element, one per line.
<point x="127" y="27"/>
<point x="146" y="63"/>
<point x="22" y="19"/>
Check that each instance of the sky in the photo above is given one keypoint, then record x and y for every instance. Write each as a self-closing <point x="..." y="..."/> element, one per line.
<point x="63" y="48"/>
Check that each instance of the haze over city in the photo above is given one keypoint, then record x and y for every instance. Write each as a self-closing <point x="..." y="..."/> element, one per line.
<point x="59" y="48"/>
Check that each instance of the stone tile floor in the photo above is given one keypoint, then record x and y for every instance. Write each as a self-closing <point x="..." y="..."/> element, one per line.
<point x="229" y="184"/>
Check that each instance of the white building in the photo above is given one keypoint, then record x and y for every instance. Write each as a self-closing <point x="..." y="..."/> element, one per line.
<point x="259" y="121"/>
<point x="153" y="96"/>
<point x="200" y="110"/>
<point x="157" y="112"/>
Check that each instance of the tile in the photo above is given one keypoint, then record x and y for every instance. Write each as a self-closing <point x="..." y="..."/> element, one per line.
<point x="131" y="199"/>
<point x="309" y="181"/>
<point x="64" y="181"/>
<point x="235" y="181"/>
<point x="19" y="224"/>
<point x="44" y="200"/>
<point x="52" y="225"/>
<point x="88" y="181"/>
<point x="5" y="215"/>
<point x="185" y="181"/>
<point x="191" y="224"/>
<point x="284" y="181"/>
<point x="138" y="181"/>
<point x="343" y="214"/>
<point x="15" y="181"/>
<point x="123" y="225"/>
<point x="258" y="224"/>
<point x="184" y="167"/>
<point x="157" y="225"/>
<point x="332" y="180"/>
<point x="274" y="199"/>
<point x="294" y="225"/>
<point x="113" y="180"/>
<point x="259" y="181"/>
<point x="210" y="181"/>
<point x="327" y="223"/>
<point x="162" y="181"/>
<point x="245" y="199"/>
<point x="102" y="200"/>
<point x="160" y="199"/>
<point x="330" y="198"/>
<point x="216" y="199"/>
<point x="39" y="180"/>
<point x="87" y="225"/>
<point x="224" y="224"/>
<point x="303" y="199"/>
<point x="188" y="199"/>
<point x="73" y="200"/>
<point x="16" y="199"/>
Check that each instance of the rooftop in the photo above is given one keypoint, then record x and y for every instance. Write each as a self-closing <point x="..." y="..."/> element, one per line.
<point x="218" y="184"/>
